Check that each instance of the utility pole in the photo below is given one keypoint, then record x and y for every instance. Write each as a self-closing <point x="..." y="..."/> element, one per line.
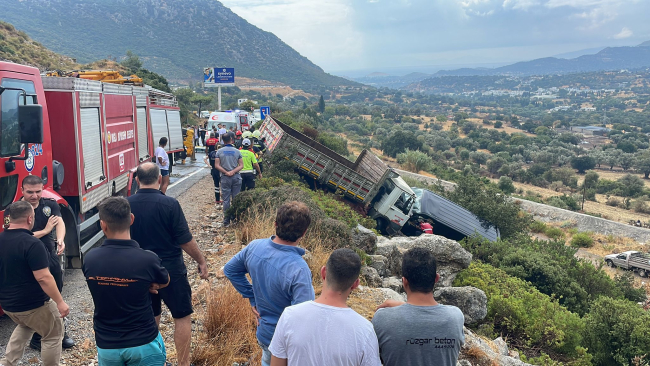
<point x="219" y="93"/>
<point x="584" y="193"/>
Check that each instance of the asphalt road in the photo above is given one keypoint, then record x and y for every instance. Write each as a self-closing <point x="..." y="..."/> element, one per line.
<point x="75" y="291"/>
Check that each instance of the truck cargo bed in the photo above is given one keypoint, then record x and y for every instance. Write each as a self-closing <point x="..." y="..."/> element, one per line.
<point x="358" y="180"/>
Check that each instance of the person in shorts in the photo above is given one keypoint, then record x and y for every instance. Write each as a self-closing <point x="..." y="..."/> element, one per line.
<point x="162" y="160"/>
<point x="160" y="226"/>
<point x="120" y="276"/>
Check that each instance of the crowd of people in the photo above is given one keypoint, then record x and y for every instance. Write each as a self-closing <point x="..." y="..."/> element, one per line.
<point x="140" y="265"/>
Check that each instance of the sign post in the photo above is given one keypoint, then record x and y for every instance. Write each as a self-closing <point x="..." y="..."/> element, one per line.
<point x="264" y="111"/>
<point x="216" y="77"/>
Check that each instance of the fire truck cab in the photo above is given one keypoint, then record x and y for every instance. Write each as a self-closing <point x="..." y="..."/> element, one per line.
<point x="84" y="138"/>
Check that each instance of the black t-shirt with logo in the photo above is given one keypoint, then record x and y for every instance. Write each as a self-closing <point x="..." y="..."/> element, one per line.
<point x="119" y="274"/>
<point x="160" y="226"/>
<point x="20" y="255"/>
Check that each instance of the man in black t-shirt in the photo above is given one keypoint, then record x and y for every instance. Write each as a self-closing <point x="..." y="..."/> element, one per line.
<point x="120" y="276"/>
<point x="160" y="226"/>
<point x="49" y="227"/>
<point x="28" y="292"/>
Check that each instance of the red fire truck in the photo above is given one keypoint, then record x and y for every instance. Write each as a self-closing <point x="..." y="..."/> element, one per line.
<point x="85" y="139"/>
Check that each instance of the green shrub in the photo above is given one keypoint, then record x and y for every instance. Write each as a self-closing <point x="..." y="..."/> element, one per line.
<point x="616" y="331"/>
<point x="538" y="227"/>
<point x="582" y="240"/>
<point x="556" y="201"/>
<point x="526" y="316"/>
<point x="554" y="233"/>
<point x="334" y="142"/>
<point x="414" y="160"/>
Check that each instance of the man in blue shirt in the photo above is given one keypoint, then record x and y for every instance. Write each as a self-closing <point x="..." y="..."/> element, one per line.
<point x="280" y="275"/>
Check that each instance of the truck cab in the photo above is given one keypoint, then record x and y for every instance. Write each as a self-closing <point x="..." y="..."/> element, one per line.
<point x="391" y="207"/>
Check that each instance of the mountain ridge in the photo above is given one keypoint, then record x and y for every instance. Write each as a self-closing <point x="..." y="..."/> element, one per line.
<point x="174" y="38"/>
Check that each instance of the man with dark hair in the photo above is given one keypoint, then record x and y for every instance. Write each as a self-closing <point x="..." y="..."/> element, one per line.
<point x="120" y="276"/>
<point x="162" y="160"/>
<point x="419" y="332"/>
<point x="216" y="174"/>
<point x="280" y="275"/>
<point x="160" y="226"/>
<point x="327" y="331"/>
<point x="49" y="227"/>
<point x="228" y="160"/>
<point x="28" y="292"/>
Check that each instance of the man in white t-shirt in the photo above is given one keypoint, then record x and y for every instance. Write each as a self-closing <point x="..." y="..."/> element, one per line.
<point x="222" y="131"/>
<point x="162" y="160"/>
<point x="326" y="331"/>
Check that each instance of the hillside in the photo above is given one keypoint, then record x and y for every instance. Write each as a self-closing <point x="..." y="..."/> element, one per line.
<point x="174" y="38"/>
<point x="610" y="58"/>
<point x="16" y="46"/>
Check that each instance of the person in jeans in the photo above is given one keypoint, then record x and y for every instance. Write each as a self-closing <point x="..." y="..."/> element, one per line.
<point x="229" y="162"/>
<point x="280" y="275"/>
<point x="327" y="331"/>
<point x="120" y="276"/>
<point x="419" y="332"/>
<point x="162" y="160"/>
<point x="28" y="292"/>
<point x="160" y="226"/>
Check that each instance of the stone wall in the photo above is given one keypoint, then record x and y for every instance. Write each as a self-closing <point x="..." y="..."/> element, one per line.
<point x="547" y="213"/>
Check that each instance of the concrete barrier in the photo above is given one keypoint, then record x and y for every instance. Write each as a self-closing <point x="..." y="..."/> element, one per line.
<point x="548" y="213"/>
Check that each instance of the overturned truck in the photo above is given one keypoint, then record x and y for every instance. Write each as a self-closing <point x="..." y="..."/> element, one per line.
<point x="369" y="182"/>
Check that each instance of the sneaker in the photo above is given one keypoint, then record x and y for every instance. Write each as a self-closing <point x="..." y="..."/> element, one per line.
<point x="219" y="202"/>
<point x="226" y="224"/>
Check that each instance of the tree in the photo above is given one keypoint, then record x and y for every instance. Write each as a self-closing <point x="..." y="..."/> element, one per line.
<point x="626" y="146"/>
<point x="498" y="124"/>
<point x="247" y="105"/>
<point x="506" y="185"/>
<point x="321" y="104"/>
<point x="591" y="179"/>
<point x="583" y="163"/>
<point x="631" y="185"/>
<point x="642" y="163"/>
<point x="478" y="157"/>
<point x="626" y="160"/>
<point x="132" y="62"/>
<point x="398" y="141"/>
<point x="491" y="206"/>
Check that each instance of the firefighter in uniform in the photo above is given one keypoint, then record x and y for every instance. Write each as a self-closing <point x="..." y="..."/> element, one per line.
<point x="50" y="229"/>
<point x="209" y="159"/>
<point x="259" y="146"/>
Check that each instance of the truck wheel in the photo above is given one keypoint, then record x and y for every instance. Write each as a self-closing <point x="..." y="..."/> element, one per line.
<point x="382" y="225"/>
<point x="643" y="273"/>
<point x="610" y="264"/>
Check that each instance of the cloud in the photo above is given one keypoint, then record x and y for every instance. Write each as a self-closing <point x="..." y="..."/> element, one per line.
<point x="389" y="34"/>
<point x="624" y="33"/>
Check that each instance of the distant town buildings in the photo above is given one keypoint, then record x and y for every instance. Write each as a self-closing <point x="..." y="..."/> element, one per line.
<point x="590" y="130"/>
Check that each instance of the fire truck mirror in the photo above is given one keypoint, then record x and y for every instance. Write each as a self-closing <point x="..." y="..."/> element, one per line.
<point x="30" y="119"/>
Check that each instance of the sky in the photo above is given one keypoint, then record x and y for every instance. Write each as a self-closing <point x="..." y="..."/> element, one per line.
<point x="349" y="37"/>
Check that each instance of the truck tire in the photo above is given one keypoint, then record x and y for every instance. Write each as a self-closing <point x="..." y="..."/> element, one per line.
<point x="610" y="264"/>
<point x="382" y="225"/>
<point x="643" y="273"/>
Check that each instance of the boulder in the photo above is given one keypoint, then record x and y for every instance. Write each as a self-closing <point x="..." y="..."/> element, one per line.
<point x="370" y="276"/>
<point x="451" y="258"/>
<point x="488" y="355"/>
<point x="394" y="284"/>
<point x="470" y="300"/>
<point x="379" y="263"/>
<point x="501" y="346"/>
<point x="364" y="239"/>
<point x="389" y="294"/>
<point x="463" y="363"/>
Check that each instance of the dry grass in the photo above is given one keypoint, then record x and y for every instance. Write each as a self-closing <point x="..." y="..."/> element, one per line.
<point x="478" y="357"/>
<point x="228" y="330"/>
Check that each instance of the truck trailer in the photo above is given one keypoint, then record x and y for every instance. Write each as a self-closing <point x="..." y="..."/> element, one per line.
<point x="368" y="181"/>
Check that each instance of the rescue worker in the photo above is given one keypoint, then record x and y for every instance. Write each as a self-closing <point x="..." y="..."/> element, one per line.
<point x="250" y="161"/>
<point x="247" y="135"/>
<point x="238" y="139"/>
<point x="216" y="175"/>
<point x="50" y="229"/>
<point x="212" y="143"/>
<point x="259" y="146"/>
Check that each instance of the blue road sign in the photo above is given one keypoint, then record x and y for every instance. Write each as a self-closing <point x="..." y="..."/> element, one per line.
<point x="264" y="111"/>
